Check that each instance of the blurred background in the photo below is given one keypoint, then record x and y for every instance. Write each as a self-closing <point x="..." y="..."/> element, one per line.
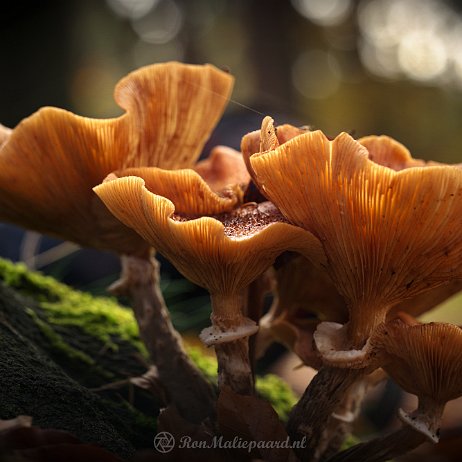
<point x="364" y="66"/>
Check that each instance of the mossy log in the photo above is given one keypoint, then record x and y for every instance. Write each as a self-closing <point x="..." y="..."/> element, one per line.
<point x="59" y="351"/>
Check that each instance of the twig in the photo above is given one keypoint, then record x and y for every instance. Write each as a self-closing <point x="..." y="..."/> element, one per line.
<point x="188" y="390"/>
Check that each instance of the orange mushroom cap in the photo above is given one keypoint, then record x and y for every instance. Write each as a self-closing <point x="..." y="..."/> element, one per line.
<point x="223" y="168"/>
<point x="387" y="235"/>
<point x="222" y="253"/>
<point x="426" y="360"/>
<point x="386" y="151"/>
<point x="51" y="160"/>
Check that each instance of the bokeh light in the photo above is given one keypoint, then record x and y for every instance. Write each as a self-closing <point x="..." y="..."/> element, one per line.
<point x="413" y="39"/>
<point x="132" y="9"/>
<point x="161" y="24"/>
<point x="323" y="12"/>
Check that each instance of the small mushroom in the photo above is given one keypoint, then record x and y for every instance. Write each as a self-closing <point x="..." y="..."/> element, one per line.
<point x="254" y="142"/>
<point x="223" y="168"/>
<point x="222" y="252"/>
<point x="425" y="360"/>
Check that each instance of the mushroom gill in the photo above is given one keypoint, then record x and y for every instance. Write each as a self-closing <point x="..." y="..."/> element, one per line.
<point x="52" y="159"/>
<point x="388" y="235"/>
<point x="425" y="360"/>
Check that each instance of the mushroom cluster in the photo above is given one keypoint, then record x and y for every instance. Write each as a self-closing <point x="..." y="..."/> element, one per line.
<point x="354" y="236"/>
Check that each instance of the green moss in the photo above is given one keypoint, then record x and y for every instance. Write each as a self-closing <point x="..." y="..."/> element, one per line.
<point x="278" y="393"/>
<point x="100" y="317"/>
<point x="57" y="341"/>
<point x="350" y="441"/>
<point x="104" y="319"/>
<point x="206" y="364"/>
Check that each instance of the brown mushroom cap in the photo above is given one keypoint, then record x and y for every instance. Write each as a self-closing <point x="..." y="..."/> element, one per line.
<point x="223" y="168"/>
<point x="387" y="235"/>
<point x="52" y="159"/>
<point x="424" y="359"/>
<point x="191" y="195"/>
<point x="223" y="257"/>
<point x="388" y="152"/>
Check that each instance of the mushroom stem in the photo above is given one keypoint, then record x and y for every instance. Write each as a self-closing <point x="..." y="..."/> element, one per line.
<point x="311" y="415"/>
<point x="342" y="420"/>
<point x="426" y="419"/>
<point x="383" y="448"/>
<point x="232" y="350"/>
<point x="187" y="388"/>
<point x="234" y="366"/>
<point x="363" y="321"/>
<point x="419" y="427"/>
<point x="255" y="305"/>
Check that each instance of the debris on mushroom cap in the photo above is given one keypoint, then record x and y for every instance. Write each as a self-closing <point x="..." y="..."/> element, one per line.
<point x="224" y="167"/>
<point x="387" y="235"/>
<point x="255" y="142"/>
<point x="424" y="359"/>
<point x="190" y="194"/>
<point x="269" y="137"/>
<point x="304" y="296"/>
<point x="221" y="264"/>
<point x="249" y="219"/>
<point x="52" y="159"/>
